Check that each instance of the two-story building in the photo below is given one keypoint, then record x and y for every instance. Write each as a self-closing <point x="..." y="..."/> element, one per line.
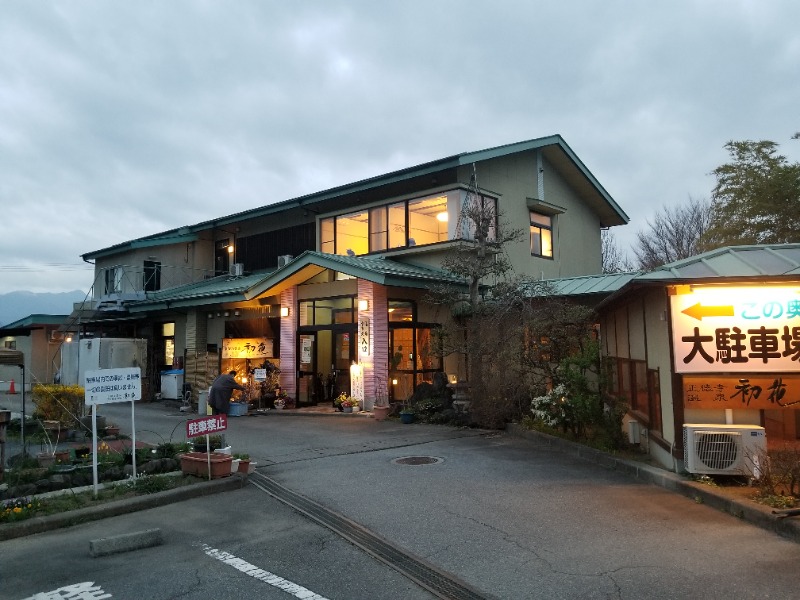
<point x="332" y="285"/>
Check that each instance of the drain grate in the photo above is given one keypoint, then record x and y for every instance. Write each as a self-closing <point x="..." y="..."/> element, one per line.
<point x="437" y="582"/>
<point x="418" y="460"/>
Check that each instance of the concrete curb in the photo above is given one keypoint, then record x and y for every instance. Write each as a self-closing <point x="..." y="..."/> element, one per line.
<point x="10" y="531"/>
<point x="125" y="542"/>
<point x="751" y="512"/>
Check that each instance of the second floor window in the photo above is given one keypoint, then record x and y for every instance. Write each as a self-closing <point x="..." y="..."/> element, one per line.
<point x="416" y="222"/>
<point x="541" y="235"/>
<point x="151" y="276"/>
<point x="113" y="280"/>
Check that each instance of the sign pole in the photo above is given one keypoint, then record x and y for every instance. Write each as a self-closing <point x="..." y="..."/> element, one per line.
<point x="133" y="441"/>
<point x="208" y="455"/>
<point x="105" y="386"/>
<point x="94" y="448"/>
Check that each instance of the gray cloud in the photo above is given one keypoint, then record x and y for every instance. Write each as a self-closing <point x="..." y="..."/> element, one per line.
<point x="119" y="120"/>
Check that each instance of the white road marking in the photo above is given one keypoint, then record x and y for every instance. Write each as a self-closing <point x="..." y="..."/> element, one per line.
<point x="86" y="590"/>
<point x="298" y="591"/>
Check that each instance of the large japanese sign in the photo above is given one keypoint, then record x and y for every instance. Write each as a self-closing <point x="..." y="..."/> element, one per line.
<point x="752" y="329"/>
<point x="246" y="348"/>
<point x="753" y="391"/>
<point x="106" y="386"/>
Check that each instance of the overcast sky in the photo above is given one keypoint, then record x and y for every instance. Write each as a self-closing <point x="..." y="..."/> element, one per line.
<point x="123" y="119"/>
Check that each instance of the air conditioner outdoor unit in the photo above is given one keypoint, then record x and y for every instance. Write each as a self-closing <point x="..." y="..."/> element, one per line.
<point x="237" y="269"/>
<point x="723" y="449"/>
<point x="284" y="260"/>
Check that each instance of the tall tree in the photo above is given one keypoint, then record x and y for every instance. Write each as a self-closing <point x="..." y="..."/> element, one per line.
<point x="756" y="199"/>
<point x="674" y="233"/>
<point x="480" y="259"/>
<point x="614" y="259"/>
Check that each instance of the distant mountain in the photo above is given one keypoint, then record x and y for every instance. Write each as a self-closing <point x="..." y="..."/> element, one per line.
<point x="18" y="305"/>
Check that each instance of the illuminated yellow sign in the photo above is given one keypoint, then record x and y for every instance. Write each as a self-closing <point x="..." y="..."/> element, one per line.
<point x="736" y="329"/>
<point x="246" y="348"/>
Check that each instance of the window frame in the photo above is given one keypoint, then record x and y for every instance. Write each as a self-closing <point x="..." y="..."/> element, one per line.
<point x="542" y="227"/>
<point x="386" y="232"/>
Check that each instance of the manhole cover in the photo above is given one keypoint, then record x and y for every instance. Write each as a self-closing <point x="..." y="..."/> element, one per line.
<point x="417" y="460"/>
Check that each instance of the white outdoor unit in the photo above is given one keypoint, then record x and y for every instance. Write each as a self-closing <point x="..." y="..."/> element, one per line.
<point x="284" y="259"/>
<point x="723" y="449"/>
<point x="237" y="269"/>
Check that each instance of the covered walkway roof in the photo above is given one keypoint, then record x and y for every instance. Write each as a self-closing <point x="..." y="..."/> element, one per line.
<point x="227" y="288"/>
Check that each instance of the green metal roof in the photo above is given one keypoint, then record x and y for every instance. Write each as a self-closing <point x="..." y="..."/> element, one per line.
<point x="554" y="147"/>
<point x="37" y="319"/>
<point x="590" y="284"/>
<point x="227" y="288"/>
<point x="766" y="260"/>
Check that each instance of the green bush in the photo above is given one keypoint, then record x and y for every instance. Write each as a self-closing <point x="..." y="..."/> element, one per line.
<point x="62" y="403"/>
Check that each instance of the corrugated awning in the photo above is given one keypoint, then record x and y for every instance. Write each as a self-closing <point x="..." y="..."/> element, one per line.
<point x="12" y="357"/>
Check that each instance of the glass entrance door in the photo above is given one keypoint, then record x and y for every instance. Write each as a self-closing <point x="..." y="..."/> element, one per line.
<point x="324" y="360"/>
<point x="344" y="354"/>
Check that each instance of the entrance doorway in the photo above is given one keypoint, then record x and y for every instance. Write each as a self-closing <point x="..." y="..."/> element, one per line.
<point x="325" y="356"/>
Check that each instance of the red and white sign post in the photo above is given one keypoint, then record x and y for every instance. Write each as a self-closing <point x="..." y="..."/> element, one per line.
<point x="206" y="426"/>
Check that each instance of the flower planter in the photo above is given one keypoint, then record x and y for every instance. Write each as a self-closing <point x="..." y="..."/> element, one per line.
<point x="406" y="418"/>
<point x="347" y="409"/>
<point x="244" y="466"/>
<point x="237" y="409"/>
<point x="379" y="413"/>
<point x="45" y="459"/>
<point x="196" y="463"/>
<point x="61" y="456"/>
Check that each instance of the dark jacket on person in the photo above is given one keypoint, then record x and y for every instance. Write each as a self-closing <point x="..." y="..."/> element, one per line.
<point x="221" y="390"/>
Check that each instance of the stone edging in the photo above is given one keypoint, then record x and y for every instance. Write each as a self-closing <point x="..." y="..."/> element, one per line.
<point x="119" y="507"/>
<point x="751" y="512"/>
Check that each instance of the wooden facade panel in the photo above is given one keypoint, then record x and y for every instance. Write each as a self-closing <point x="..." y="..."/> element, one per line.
<point x="289" y="342"/>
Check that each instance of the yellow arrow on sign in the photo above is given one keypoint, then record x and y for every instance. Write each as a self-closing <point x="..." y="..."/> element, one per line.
<point x="698" y="311"/>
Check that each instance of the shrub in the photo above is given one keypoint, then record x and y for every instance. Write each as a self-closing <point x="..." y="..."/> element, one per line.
<point x="779" y="476"/>
<point x="62" y="403"/>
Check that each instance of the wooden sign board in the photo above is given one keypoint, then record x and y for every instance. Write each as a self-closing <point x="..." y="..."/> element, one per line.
<point x="756" y="391"/>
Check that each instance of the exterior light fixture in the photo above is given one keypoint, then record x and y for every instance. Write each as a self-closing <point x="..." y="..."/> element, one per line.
<point x="226" y="314"/>
<point x="363" y="305"/>
<point x="442" y="217"/>
<point x="230" y="249"/>
<point x="284" y="311"/>
<point x="394" y="381"/>
<point x="236" y="313"/>
<point x="68" y="338"/>
<point x="210" y="315"/>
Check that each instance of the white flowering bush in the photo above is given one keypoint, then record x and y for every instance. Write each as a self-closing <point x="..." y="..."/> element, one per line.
<point x="553" y="408"/>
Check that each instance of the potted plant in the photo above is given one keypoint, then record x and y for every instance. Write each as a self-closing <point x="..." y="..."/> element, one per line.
<point x="338" y="402"/>
<point x="407" y="414"/>
<point x="47" y="457"/>
<point x="280" y="400"/>
<point x="348" y="403"/>
<point x="381" y="408"/>
<point x="244" y="462"/>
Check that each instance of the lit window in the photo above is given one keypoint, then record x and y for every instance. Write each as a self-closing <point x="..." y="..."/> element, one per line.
<point x="378" y="229"/>
<point x="326" y="236"/>
<point x="352" y="234"/>
<point x="425" y="226"/>
<point x="541" y="235"/>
